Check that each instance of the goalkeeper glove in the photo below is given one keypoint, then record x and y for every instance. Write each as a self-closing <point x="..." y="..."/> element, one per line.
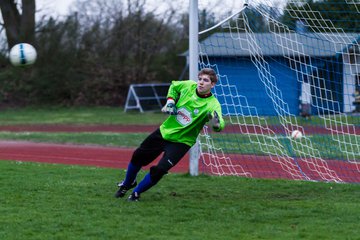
<point x="214" y="119"/>
<point x="170" y="107"/>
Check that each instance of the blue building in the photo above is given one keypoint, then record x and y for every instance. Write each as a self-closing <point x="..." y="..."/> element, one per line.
<point x="271" y="74"/>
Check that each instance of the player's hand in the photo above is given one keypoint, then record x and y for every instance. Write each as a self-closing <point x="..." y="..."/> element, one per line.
<point x="170" y="107"/>
<point x="214" y="119"/>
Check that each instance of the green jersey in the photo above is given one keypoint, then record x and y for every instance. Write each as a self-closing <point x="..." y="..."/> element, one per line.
<point x="192" y="113"/>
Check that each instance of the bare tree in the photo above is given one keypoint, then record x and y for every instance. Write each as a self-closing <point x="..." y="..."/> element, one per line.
<point x="19" y="25"/>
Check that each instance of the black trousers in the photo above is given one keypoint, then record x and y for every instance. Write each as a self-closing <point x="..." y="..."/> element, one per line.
<point x="153" y="146"/>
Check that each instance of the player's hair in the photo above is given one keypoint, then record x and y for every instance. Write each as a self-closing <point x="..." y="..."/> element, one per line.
<point x="210" y="72"/>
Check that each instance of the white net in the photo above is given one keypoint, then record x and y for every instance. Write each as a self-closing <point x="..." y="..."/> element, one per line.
<point x="281" y="70"/>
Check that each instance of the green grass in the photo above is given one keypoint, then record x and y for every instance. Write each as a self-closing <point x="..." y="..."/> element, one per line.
<point x="47" y="201"/>
<point x="77" y="115"/>
<point x="280" y="145"/>
<point x="87" y="138"/>
<point x="116" y="115"/>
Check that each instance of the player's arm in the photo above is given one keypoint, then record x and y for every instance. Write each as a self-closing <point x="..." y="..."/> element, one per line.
<point x="216" y="120"/>
<point x="170" y="107"/>
<point x="172" y="97"/>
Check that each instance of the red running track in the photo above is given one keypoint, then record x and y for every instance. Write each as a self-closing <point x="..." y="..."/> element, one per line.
<point x="98" y="156"/>
<point x="115" y="157"/>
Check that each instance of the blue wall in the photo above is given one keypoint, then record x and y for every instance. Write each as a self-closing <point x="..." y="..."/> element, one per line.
<point x="328" y="93"/>
<point x="243" y="80"/>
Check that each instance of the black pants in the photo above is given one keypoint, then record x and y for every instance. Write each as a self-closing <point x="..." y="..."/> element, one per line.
<point x="153" y="146"/>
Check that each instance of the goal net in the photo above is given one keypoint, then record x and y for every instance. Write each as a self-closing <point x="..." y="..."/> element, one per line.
<point x="281" y="69"/>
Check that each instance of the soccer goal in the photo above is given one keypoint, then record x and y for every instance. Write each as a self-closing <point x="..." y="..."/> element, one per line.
<point x="281" y="69"/>
<point x="146" y="97"/>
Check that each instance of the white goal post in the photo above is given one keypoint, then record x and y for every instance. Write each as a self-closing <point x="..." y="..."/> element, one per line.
<point x="193" y="71"/>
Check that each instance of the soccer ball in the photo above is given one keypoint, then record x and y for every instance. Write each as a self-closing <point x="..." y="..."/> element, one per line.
<point x="22" y="54"/>
<point x="296" y="134"/>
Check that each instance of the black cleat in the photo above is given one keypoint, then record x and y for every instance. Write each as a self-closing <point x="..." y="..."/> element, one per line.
<point x="123" y="189"/>
<point x="134" y="197"/>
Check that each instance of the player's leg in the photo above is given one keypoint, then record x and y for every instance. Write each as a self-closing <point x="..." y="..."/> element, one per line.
<point x="129" y="182"/>
<point x="173" y="153"/>
<point x="147" y="152"/>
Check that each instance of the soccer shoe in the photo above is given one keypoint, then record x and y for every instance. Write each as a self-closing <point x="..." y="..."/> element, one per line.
<point x="123" y="189"/>
<point x="134" y="197"/>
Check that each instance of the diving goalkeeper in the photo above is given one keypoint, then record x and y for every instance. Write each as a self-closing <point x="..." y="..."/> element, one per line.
<point x="190" y="105"/>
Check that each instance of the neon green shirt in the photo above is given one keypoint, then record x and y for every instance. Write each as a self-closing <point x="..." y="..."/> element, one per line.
<point x="192" y="113"/>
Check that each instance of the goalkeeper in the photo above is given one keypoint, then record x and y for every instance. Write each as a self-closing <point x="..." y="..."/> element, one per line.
<point x="190" y="105"/>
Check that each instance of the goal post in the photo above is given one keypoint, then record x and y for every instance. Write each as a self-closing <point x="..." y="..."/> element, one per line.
<point x="193" y="71"/>
<point x="285" y="69"/>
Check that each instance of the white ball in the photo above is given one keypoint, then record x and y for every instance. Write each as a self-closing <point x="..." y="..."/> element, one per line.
<point x="22" y="54"/>
<point x="296" y="134"/>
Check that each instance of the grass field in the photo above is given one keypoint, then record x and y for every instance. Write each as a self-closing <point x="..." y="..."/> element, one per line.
<point x="116" y="115"/>
<point x="45" y="201"/>
<point x="49" y="201"/>
<point x="77" y="115"/>
<point x="104" y="139"/>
